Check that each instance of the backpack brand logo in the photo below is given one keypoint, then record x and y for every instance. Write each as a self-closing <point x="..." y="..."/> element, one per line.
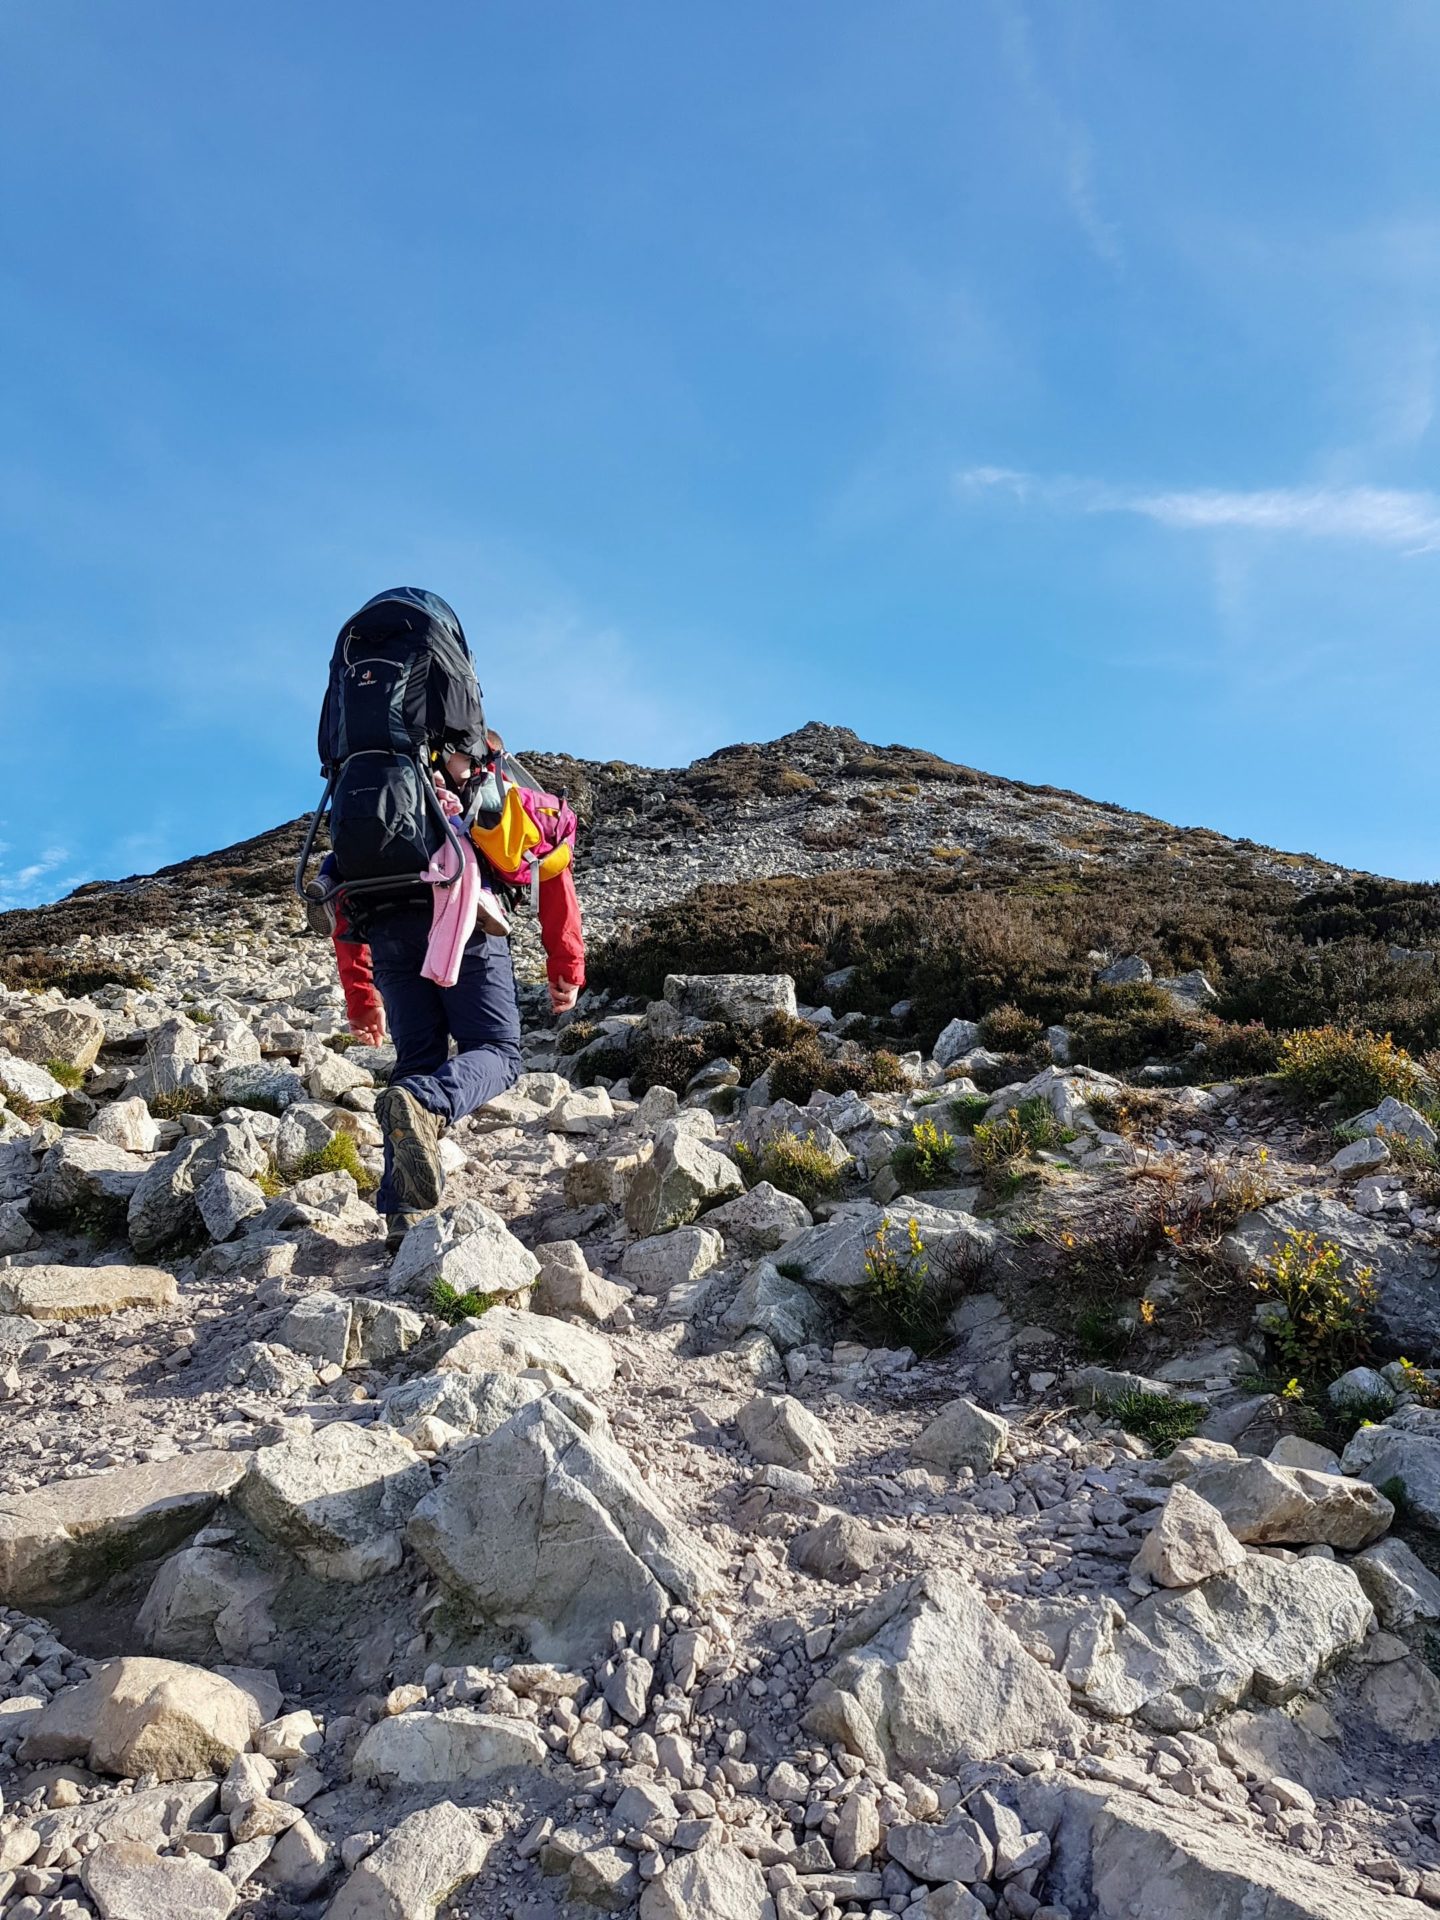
<point x="367" y="678"/>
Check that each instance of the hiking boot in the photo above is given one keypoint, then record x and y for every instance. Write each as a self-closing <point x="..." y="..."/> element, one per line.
<point x="413" y="1132"/>
<point x="397" y="1225"/>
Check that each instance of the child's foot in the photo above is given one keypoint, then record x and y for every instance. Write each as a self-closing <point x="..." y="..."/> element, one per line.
<point x="413" y="1132"/>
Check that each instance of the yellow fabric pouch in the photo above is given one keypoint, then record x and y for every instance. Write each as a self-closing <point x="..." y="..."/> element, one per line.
<point x="506" y="844"/>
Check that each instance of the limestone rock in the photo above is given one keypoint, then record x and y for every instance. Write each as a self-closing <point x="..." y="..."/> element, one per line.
<point x="787" y="1314"/>
<point x="567" y="1286"/>
<point x="137" y="1715"/>
<point x="127" y="1123"/>
<point x="761" y="1125"/>
<point x="1189" y="1542"/>
<point x="80" y="1174"/>
<point x="507" y="1340"/>
<point x="667" y="1260"/>
<point x="130" y="1881"/>
<point x="380" y="1330"/>
<point x="760" y="1221"/>
<point x="337" y="1499"/>
<point x="928" y="1677"/>
<point x="27" y="1081"/>
<point x="782" y="1432"/>
<point x="1269" y="1627"/>
<point x="1401" y="1588"/>
<point x="206" y="1602"/>
<point x="84" y="1293"/>
<point x="260" y="1084"/>
<point x="333" y="1075"/>
<point x="419" y="1749"/>
<point x="680" y="1179"/>
<point x="470" y="1248"/>
<point x="956" y="1040"/>
<point x="419" y="1864"/>
<point x="318" y="1325"/>
<point x="63" y="1541"/>
<point x="73" y="1035"/>
<point x="546" y="1527"/>
<point x="962" y="1435"/>
<point x="226" y="1200"/>
<point x="1395" y="1117"/>
<point x="1403" y="1698"/>
<point x="584" y="1111"/>
<point x="958" y="1849"/>
<point x="163" y="1207"/>
<point x="833" y="1255"/>
<point x="738" y="999"/>
<point x="1136" y="1861"/>
<point x="841" y="1548"/>
<point x="471" y="1402"/>
<point x="1411" y="1459"/>
<point x="718" y="1883"/>
<point x="1262" y="1502"/>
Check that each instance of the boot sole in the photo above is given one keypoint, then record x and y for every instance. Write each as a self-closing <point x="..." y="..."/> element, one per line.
<point x="414" y="1136"/>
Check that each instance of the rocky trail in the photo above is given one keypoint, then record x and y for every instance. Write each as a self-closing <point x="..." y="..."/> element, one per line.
<point x="644" y="1538"/>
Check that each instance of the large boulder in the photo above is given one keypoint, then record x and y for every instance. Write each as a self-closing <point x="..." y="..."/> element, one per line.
<point x="1262" y="1503"/>
<point x="1409" y="1458"/>
<point x="163" y="1207"/>
<point x="1395" y="1117"/>
<point x="782" y="1432"/>
<point x="544" y="1526"/>
<point x="833" y="1255"/>
<point x="1401" y="1588"/>
<point x="1067" y="1091"/>
<point x="1407" y="1297"/>
<point x="1269" y="1627"/>
<point x="207" y="1603"/>
<point x="86" y="1176"/>
<point x="61" y="1542"/>
<point x="469" y="1402"/>
<point x="337" y="1499"/>
<point x="760" y="1221"/>
<point x="787" y="1314"/>
<point x="172" y="1058"/>
<point x="567" y="1286"/>
<point x="416" y="1868"/>
<point x="71" y="1035"/>
<point x="128" y="1880"/>
<point x="508" y="1340"/>
<point x="84" y="1293"/>
<point x="717" y="1883"/>
<point x="928" y="1677"/>
<point x="469" y="1248"/>
<point x="25" y="1081"/>
<point x="1188" y="1542"/>
<point x="457" y="1743"/>
<point x="137" y="1715"/>
<point x="1120" y="1857"/>
<point x="127" y="1123"/>
<point x="680" y="1179"/>
<point x="762" y="1125"/>
<point x="667" y="1260"/>
<point x="738" y="999"/>
<point x="962" y="1435"/>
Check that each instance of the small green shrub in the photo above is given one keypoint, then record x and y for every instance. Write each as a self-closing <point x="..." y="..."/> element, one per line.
<point x="926" y="1159"/>
<point x="1326" y="1326"/>
<point x="1100" y="1333"/>
<point x="1030" y="1127"/>
<point x="1236" y="1052"/>
<point x="967" y="1110"/>
<point x="453" y="1307"/>
<point x="577" y="1035"/>
<point x="899" y="1304"/>
<point x="201" y="1018"/>
<point x="1157" y="1418"/>
<point x="32" y="1112"/>
<point x="1357" y="1068"/>
<point x="1008" y="1030"/>
<point x="338" y="1155"/>
<point x="270" y="1181"/>
<point x="68" y="1075"/>
<point x="170" y="1106"/>
<point x="796" y="1166"/>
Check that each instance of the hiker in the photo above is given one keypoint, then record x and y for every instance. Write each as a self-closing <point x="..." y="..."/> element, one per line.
<point x="434" y="828"/>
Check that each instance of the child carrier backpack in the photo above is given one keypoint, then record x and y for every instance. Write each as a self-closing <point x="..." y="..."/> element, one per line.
<point x="523" y="834"/>
<point x="402" y="694"/>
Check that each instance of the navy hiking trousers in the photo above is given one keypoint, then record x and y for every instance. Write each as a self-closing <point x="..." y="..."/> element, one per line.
<point x="479" y="1013"/>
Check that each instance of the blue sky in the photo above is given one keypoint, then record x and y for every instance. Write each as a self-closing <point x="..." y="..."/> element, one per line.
<point x="1051" y="384"/>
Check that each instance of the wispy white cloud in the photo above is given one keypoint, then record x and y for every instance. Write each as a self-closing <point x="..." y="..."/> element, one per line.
<point x="1403" y="518"/>
<point x="1065" y="134"/>
<point x="40" y="879"/>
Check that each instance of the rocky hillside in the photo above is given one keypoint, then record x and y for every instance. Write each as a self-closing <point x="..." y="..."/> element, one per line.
<point x="923" y="1400"/>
